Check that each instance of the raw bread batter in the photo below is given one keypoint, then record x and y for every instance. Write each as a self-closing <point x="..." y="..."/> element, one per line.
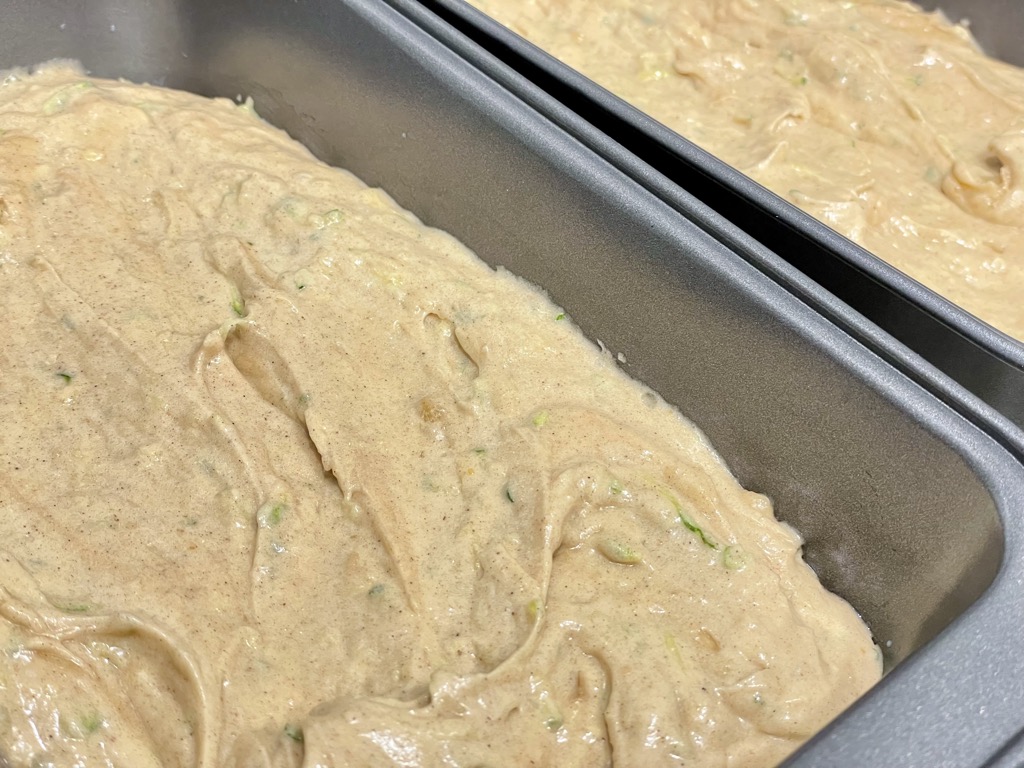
<point x="885" y="122"/>
<point x="287" y="477"/>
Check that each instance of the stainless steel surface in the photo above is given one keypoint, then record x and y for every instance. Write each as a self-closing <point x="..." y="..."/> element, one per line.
<point x="987" y="362"/>
<point x="910" y="511"/>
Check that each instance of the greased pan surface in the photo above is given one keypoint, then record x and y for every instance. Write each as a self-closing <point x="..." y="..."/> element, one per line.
<point x="986" y="361"/>
<point x="909" y="511"/>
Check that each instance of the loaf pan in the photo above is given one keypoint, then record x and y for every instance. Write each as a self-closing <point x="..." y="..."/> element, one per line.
<point x="909" y="510"/>
<point x="986" y="361"/>
<point x="996" y="24"/>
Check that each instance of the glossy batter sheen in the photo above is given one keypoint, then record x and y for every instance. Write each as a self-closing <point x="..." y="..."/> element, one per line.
<point x="883" y="121"/>
<point x="287" y="477"/>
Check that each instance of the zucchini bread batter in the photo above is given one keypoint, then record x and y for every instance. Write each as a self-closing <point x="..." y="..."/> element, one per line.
<point x="885" y="122"/>
<point x="288" y="478"/>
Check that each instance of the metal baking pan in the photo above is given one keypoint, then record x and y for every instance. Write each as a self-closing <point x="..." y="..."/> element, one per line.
<point x="910" y="510"/>
<point x="986" y="361"/>
<point x="995" y="24"/>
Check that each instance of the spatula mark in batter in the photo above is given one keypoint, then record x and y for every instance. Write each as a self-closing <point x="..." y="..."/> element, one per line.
<point x="452" y="354"/>
<point x="70" y="638"/>
<point x="261" y="364"/>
